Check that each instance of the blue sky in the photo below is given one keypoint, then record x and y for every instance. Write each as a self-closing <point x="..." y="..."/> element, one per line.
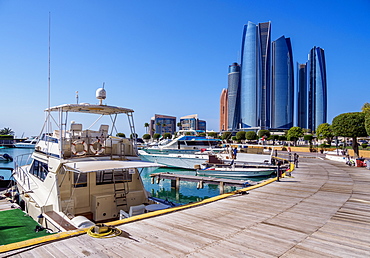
<point x="165" y="57"/>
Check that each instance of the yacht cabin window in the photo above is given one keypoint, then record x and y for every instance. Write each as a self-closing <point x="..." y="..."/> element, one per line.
<point x="39" y="169"/>
<point x="110" y="176"/>
<point x="80" y="180"/>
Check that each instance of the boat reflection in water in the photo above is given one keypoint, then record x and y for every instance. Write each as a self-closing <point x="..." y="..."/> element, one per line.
<point x="188" y="191"/>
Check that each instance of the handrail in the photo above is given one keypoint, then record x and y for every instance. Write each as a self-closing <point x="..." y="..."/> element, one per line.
<point x="18" y="168"/>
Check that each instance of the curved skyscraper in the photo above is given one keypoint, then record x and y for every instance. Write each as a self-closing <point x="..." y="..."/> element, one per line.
<point x="233" y="96"/>
<point x="265" y="48"/>
<point x="255" y="76"/>
<point x="282" y="97"/>
<point x="317" y="95"/>
<point x="302" y="112"/>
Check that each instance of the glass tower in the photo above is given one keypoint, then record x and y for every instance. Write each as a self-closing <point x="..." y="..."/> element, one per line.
<point x="255" y="76"/>
<point x="265" y="46"/>
<point x="282" y="98"/>
<point x="233" y="96"/>
<point x="302" y="112"/>
<point x="317" y="95"/>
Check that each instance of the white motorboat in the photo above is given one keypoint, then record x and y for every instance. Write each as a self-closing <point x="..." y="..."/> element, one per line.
<point x="177" y="159"/>
<point x="235" y="171"/>
<point x="29" y="143"/>
<point x="247" y="155"/>
<point x="79" y="175"/>
<point x="188" y="140"/>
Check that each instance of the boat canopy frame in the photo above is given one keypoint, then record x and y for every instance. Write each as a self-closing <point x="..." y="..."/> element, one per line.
<point x="102" y="110"/>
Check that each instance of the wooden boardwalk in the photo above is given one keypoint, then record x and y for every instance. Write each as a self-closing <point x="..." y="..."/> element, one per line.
<point x="323" y="211"/>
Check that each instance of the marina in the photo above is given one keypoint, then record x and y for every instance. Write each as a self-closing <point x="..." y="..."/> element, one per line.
<point x="322" y="211"/>
<point x="245" y="142"/>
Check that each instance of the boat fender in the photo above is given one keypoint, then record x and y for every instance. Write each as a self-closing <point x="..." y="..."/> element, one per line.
<point x="98" y="150"/>
<point x="78" y="142"/>
<point x="7" y="157"/>
<point x="82" y="222"/>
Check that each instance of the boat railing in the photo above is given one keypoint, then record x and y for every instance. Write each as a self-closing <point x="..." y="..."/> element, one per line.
<point x="114" y="147"/>
<point x="19" y="169"/>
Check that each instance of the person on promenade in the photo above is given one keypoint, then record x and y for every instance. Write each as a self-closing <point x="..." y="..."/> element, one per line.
<point x="278" y="172"/>
<point x="296" y="156"/>
<point x="235" y="151"/>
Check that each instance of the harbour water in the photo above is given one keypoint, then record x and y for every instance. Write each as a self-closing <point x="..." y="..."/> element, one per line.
<point x="188" y="190"/>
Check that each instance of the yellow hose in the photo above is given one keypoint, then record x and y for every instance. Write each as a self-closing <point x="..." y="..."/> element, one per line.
<point x="107" y="232"/>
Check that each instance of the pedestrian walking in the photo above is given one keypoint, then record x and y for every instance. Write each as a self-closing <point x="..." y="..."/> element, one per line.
<point x="296" y="156"/>
<point x="235" y="151"/>
<point x="278" y="172"/>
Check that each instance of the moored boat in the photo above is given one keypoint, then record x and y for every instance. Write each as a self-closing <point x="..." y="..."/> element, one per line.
<point x="188" y="140"/>
<point x="236" y="171"/>
<point x="177" y="159"/>
<point x="78" y="175"/>
<point x="29" y="143"/>
<point x="247" y="155"/>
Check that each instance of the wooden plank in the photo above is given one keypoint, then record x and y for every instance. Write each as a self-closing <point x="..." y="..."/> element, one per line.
<point x="59" y="220"/>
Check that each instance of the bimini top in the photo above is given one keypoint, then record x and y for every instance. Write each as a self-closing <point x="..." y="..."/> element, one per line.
<point x="104" y="165"/>
<point x="90" y="109"/>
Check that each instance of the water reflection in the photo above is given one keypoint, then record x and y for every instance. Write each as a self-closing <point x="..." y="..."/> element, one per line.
<point x="188" y="191"/>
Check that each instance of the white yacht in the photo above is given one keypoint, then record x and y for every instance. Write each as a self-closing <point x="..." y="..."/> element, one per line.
<point x="247" y="156"/>
<point x="190" y="140"/>
<point x="80" y="174"/>
<point x="29" y="143"/>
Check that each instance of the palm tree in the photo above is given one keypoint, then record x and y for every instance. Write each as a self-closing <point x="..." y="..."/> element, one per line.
<point x="159" y="124"/>
<point x="146" y="125"/>
<point x="179" y="125"/>
<point x="6" y="131"/>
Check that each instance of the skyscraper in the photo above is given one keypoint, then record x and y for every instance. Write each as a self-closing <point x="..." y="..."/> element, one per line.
<point x="233" y="96"/>
<point x="302" y="92"/>
<point x="255" y="76"/>
<point x="223" y="110"/>
<point x="282" y="97"/>
<point x="261" y="92"/>
<point x="317" y="88"/>
<point x="265" y="48"/>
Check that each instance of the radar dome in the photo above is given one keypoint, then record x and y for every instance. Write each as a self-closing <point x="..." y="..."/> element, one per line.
<point x="101" y="94"/>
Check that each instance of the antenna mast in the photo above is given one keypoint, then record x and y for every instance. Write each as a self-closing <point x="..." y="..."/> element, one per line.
<point x="48" y="122"/>
<point x="49" y="64"/>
